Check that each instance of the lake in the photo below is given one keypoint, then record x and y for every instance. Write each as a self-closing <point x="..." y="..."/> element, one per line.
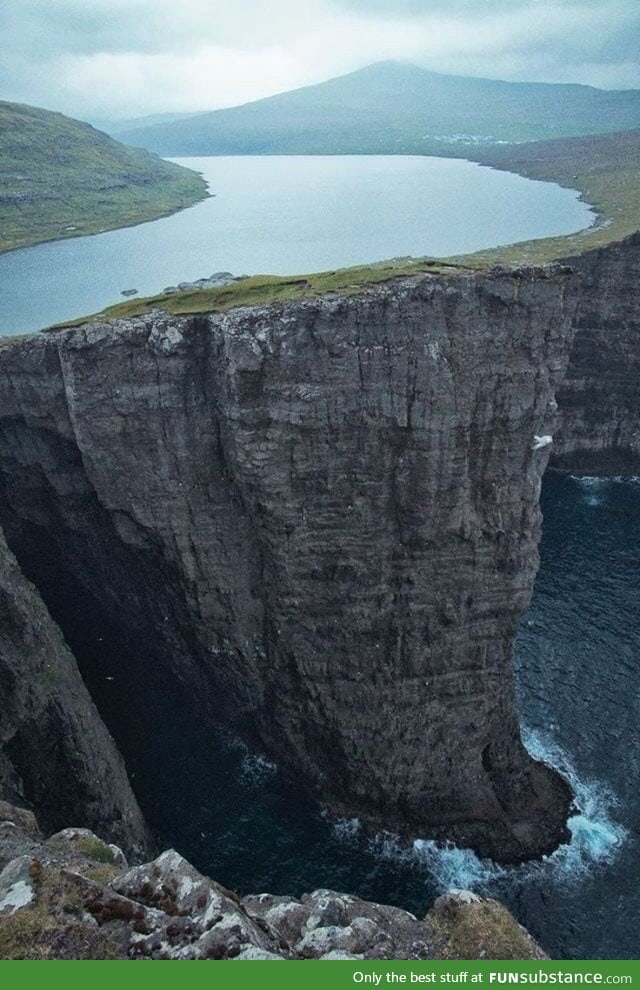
<point x="288" y="215"/>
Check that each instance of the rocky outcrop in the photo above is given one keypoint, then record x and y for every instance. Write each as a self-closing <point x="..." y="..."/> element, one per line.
<point x="599" y="427"/>
<point x="73" y="896"/>
<point x="54" y="747"/>
<point x="317" y="522"/>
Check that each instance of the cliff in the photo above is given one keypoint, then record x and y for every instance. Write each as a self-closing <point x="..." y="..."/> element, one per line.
<point x="72" y="896"/>
<point x="314" y="524"/>
<point x="53" y="744"/>
<point x="599" y="399"/>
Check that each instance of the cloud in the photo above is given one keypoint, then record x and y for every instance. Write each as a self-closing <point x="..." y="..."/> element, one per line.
<point x="93" y="58"/>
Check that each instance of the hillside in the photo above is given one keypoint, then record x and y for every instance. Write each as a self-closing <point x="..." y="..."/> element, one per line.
<point x="395" y="107"/>
<point x="604" y="168"/>
<point x="60" y="178"/>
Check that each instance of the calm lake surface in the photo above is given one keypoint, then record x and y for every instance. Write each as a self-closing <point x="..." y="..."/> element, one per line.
<point x="287" y="215"/>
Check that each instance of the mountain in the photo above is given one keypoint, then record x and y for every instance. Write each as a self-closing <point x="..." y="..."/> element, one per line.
<point x="395" y="107"/>
<point x="60" y="177"/>
<point x="118" y="124"/>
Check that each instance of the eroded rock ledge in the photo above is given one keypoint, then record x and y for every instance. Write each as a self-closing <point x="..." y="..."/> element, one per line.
<point x="318" y="523"/>
<point x="73" y="896"/>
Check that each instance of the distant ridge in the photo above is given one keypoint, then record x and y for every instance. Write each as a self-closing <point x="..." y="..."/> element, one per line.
<point x="395" y="108"/>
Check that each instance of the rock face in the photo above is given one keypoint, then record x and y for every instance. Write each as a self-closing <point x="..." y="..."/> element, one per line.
<point x="73" y="896"/>
<point x="599" y="429"/>
<point x="54" y="746"/>
<point x="317" y="522"/>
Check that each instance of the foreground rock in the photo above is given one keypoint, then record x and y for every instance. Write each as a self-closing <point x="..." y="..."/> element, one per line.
<point x="72" y="896"/>
<point x="319" y="521"/>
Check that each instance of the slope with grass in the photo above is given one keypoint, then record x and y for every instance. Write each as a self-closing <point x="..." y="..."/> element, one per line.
<point x="61" y="178"/>
<point x="395" y="108"/>
<point x="604" y="168"/>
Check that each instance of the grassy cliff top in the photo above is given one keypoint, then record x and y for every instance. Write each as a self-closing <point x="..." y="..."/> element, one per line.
<point x="605" y="169"/>
<point x="61" y="178"/>
<point x="261" y="289"/>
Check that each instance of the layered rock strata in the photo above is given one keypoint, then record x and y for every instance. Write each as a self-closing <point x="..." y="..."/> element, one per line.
<point x="315" y="524"/>
<point x="599" y="399"/>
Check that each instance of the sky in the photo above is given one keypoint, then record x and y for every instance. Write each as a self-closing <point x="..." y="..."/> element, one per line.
<point x="106" y="59"/>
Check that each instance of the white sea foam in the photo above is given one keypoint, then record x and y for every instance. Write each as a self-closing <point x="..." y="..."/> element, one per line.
<point x="255" y="768"/>
<point x="347" y="829"/>
<point x="595" y="838"/>
<point x="451" y="866"/>
<point x="594" y="488"/>
<point x="590" y="480"/>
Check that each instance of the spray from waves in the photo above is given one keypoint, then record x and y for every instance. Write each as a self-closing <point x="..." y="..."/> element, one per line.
<point x="256" y="768"/>
<point x="595" y="839"/>
<point x="595" y="836"/>
<point x="589" y="480"/>
<point x="347" y="829"/>
<point x="594" y="488"/>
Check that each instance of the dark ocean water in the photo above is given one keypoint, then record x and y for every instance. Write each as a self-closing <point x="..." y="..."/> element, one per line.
<point x="240" y="820"/>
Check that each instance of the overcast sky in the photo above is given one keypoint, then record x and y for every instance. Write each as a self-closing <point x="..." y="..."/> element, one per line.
<point x="120" y="58"/>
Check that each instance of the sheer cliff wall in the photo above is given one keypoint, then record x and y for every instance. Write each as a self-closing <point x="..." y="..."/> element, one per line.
<point x="315" y="524"/>
<point x="599" y="427"/>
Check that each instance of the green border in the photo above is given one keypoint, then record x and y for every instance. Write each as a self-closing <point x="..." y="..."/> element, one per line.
<point x="68" y="975"/>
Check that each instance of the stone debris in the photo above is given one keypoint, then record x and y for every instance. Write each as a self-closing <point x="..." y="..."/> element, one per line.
<point x="212" y="282"/>
<point x="73" y="896"/>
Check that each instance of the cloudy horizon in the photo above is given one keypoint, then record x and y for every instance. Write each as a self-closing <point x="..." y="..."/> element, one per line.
<point x="124" y="58"/>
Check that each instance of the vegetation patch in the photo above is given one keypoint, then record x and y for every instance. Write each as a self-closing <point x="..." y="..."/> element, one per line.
<point x="485" y="930"/>
<point x="53" y="927"/>
<point x="263" y="289"/>
<point x="62" y="178"/>
<point x="603" y="168"/>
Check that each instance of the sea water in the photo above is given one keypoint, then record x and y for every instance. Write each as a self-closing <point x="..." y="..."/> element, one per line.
<point x="242" y="821"/>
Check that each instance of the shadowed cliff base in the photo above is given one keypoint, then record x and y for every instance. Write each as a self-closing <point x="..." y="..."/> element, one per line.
<point x="314" y="524"/>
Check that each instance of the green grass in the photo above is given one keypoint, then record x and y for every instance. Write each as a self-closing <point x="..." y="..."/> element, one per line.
<point x="96" y="849"/>
<point x="54" y="925"/>
<point x="91" y="848"/>
<point x="61" y="178"/>
<point x="605" y="169"/>
<point x="484" y="930"/>
<point x="262" y="289"/>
